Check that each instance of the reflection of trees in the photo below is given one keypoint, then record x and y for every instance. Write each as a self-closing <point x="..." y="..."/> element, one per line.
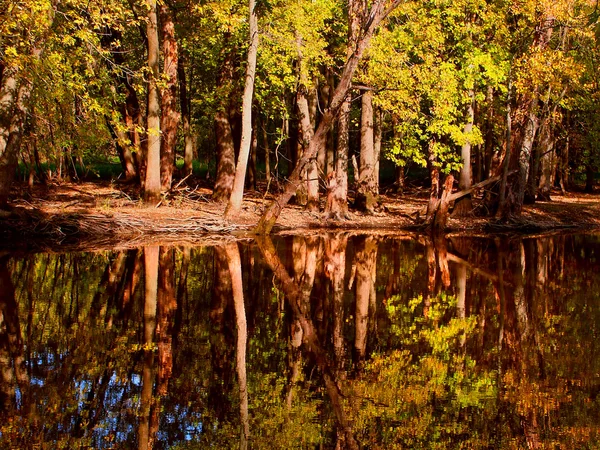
<point x="298" y="303"/>
<point x="507" y="356"/>
<point x="365" y="273"/>
<point x="12" y="357"/>
<point x="235" y="269"/>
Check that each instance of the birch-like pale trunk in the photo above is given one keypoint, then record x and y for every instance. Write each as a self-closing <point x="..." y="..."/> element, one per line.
<point x="235" y="200"/>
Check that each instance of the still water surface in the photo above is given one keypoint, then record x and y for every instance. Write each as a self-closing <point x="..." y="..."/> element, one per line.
<point x="332" y="341"/>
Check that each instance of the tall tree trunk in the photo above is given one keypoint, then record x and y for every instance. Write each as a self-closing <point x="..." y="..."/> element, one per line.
<point x="366" y="197"/>
<point x="377" y="140"/>
<point x="337" y="204"/>
<point x="434" y="176"/>
<point x="377" y="14"/>
<point x="464" y="205"/>
<point x="224" y="133"/>
<point x="546" y="160"/>
<point x="488" y="148"/>
<point x="152" y="185"/>
<point x="267" y="155"/>
<point x="235" y="200"/>
<point x="311" y="186"/>
<point x="186" y="115"/>
<point x="169" y="115"/>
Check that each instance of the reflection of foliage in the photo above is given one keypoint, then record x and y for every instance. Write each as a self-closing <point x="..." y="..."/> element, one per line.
<point x="438" y="378"/>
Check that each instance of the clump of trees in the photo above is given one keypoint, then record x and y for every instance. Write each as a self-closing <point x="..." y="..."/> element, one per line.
<point x="477" y="89"/>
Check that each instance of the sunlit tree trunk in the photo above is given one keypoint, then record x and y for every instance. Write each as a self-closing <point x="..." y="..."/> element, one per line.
<point x="337" y="204"/>
<point x="235" y="200"/>
<point x="235" y="269"/>
<point x="14" y="99"/>
<point x="169" y="114"/>
<point x="224" y="132"/>
<point x="152" y="184"/>
<point x="366" y="197"/>
<point x="464" y="205"/>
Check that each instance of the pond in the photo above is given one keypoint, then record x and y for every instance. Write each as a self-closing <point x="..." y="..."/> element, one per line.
<point x="323" y="341"/>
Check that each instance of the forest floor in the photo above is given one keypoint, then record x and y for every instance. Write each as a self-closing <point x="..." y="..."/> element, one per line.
<point x="103" y="214"/>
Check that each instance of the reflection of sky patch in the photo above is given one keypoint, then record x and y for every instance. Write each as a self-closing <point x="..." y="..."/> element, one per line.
<point x="136" y="379"/>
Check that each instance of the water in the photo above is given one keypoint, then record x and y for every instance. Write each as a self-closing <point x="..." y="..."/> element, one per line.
<point x="305" y="342"/>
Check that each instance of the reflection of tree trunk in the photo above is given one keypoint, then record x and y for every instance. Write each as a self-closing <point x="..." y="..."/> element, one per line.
<point x="220" y="342"/>
<point x="366" y="257"/>
<point x="12" y="359"/>
<point x="294" y="297"/>
<point x="335" y="269"/>
<point x="235" y="269"/>
<point x="167" y="304"/>
<point x="461" y="284"/>
<point x="464" y="205"/>
<point x="134" y="270"/>
<point x="151" y="254"/>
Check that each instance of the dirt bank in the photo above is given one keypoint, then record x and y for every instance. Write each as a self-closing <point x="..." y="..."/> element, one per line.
<point x="109" y="214"/>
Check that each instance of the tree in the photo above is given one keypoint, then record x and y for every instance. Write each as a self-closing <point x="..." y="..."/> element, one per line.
<point x="152" y="186"/>
<point x="377" y="13"/>
<point x="235" y="201"/>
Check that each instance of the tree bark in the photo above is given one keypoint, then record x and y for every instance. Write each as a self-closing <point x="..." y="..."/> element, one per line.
<point x="366" y="197"/>
<point x="152" y="185"/>
<point x="169" y="115"/>
<point x="235" y="200"/>
<point x="464" y="206"/>
<point x="186" y="115"/>
<point x="224" y="134"/>
<point x="377" y="14"/>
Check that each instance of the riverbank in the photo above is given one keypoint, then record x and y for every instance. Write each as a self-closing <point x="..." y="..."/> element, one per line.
<point x="109" y="214"/>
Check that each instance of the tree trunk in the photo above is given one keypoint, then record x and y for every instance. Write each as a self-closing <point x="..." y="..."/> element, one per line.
<point x="235" y="200"/>
<point x="152" y="185"/>
<point x="224" y="135"/>
<point x="434" y="190"/>
<point x="464" y="206"/>
<point x="546" y="160"/>
<point x="12" y="116"/>
<point x="337" y="204"/>
<point x="186" y="115"/>
<point x="169" y="114"/>
<point x="366" y="197"/>
<point x="269" y="217"/>
<point x="267" y="155"/>
<point x="377" y="139"/>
